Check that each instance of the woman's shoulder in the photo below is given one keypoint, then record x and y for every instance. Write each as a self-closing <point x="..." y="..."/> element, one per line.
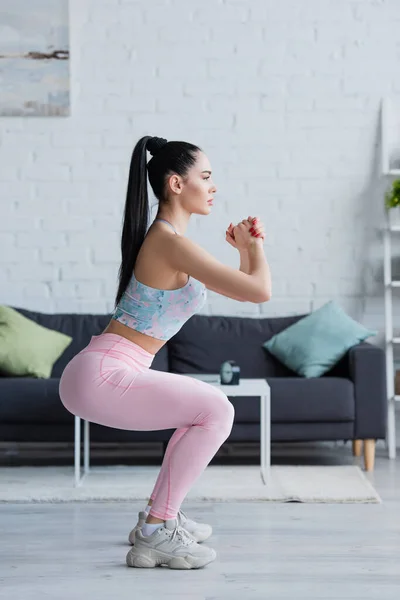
<point x="154" y="266"/>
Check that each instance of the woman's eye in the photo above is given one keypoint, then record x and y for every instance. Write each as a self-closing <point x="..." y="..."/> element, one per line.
<point x="205" y="178"/>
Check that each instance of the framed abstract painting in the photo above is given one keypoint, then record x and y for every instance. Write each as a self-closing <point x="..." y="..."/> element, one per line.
<point x="34" y="58"/>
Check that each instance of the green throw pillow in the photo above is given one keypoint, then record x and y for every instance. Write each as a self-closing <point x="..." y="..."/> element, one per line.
<point x="315" y="343"/>
<point x="26" y="348"/>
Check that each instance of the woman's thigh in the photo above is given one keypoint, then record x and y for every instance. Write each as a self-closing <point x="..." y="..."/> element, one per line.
<point x="142" y="400"/>
<point x="160" y="400"/>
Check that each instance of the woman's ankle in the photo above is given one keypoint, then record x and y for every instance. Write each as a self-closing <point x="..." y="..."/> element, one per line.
<point x="153" y="520"/>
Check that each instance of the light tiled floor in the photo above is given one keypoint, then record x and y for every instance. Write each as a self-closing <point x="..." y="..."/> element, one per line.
<point x="274" y="551"/>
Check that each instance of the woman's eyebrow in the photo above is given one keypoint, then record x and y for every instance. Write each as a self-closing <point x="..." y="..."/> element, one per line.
<point x="207" y="172"/>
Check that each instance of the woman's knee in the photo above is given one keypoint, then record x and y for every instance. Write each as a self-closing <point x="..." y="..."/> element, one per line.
<point x="215" y="406"/>
<point x="224" y="410"/>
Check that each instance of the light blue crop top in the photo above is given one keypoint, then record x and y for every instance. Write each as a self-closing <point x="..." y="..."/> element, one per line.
<point x="159" y="313"/>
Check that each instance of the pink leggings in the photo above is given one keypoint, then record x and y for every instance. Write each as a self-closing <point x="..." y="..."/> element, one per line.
<point x="110" y="383"/>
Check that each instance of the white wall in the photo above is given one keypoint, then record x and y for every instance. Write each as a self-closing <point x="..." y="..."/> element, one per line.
<point x="284" y="97"/>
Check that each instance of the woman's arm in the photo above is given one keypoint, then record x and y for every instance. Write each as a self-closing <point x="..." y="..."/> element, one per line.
<point x="187" y="256"/>
<point x="244" y="262"/>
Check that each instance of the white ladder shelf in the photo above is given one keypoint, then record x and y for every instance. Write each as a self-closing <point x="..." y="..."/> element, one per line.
<point x="390" y="156"/>
<point x="390" y="339"/>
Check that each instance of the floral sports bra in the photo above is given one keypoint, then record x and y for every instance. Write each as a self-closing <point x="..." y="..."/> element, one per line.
<point x="159" y="313"/>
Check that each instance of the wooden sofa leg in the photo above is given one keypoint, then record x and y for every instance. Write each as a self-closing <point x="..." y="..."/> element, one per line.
<point x="369" y="454"/>
<point x="357" y="447"/>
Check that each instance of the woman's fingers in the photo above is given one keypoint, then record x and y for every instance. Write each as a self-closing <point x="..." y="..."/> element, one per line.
<point x="257" y="227"/>
<point x="252" y="225"/>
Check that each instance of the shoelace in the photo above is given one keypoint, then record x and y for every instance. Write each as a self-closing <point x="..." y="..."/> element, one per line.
<point x="182" y="534"/>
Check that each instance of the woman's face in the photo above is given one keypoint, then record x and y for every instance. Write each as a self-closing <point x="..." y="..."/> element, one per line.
<point x="197" y="188"/>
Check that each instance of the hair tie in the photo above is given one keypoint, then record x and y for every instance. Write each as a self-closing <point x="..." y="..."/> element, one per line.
<point x="155" y="144"/>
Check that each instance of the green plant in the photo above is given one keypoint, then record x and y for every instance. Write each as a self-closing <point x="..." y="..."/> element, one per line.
<point x="392" y="196"/>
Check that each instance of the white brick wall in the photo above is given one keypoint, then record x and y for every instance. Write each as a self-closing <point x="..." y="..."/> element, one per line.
<point x="283" y="96"/>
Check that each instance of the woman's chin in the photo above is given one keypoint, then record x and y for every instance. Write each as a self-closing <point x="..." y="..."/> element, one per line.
<point x="204" y="211"/>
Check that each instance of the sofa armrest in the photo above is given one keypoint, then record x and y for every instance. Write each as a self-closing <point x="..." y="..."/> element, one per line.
<point x="367" y="368"/>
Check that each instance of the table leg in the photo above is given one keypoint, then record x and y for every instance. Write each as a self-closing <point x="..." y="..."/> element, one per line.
<point x="86" y="447"/>
<point x="265" y="437"/>
<point x="77" y="450"/>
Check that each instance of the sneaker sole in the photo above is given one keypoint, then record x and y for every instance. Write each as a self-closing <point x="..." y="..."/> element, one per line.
<point x="147" y="559"/>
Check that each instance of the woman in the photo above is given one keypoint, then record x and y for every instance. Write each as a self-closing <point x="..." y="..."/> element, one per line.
<point x="163" y="280"/>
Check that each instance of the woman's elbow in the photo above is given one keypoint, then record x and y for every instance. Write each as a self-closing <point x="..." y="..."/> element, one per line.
<point x="268" y="297"/>
<point x="264" y="297"/>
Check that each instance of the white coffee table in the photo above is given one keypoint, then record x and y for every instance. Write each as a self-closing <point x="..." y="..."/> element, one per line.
<point x="246" y="387"/>
<point x="250" y="387"/>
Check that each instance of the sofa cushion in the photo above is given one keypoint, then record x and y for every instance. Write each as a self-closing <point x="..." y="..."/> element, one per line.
<point x="314" y="344"/>
<point x="205" y="342"/>
<point x="298" y="400"/>
<point x="26" y="347"/>
<point x="31" y="400"/>
<point x="325" y="399"/>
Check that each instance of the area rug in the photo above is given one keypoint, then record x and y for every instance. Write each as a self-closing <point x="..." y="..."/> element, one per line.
<point x="327" y="484"/>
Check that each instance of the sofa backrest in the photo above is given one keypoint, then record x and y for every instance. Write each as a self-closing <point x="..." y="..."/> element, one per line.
<point x="201" y="346"/>
<point x="205" y="342"/>
<point x="81" y="327"/>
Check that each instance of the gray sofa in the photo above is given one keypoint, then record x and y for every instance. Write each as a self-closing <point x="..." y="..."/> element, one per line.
<point x="347" y="403"/>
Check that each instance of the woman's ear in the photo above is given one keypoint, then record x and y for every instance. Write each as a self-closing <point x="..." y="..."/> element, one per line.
<point x="175" y="184"/>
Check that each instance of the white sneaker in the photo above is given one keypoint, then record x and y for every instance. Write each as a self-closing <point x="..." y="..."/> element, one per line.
<point x="199" y="531"/>
<point x="169" y="545"/>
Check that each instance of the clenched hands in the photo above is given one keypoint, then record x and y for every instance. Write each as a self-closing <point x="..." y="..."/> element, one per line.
<point x="249" y="230"/>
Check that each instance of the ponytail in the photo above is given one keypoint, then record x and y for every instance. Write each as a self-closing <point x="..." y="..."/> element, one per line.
<point x="167" y="157"/>
<point x="136" y="215"/>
